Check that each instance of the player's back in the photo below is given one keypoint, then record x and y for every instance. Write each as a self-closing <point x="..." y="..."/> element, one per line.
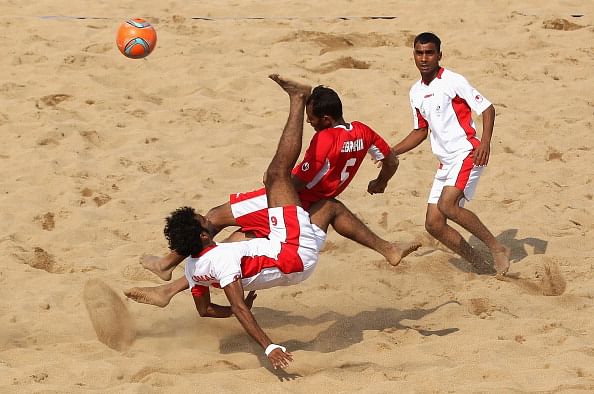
<point x="333" y="158"/>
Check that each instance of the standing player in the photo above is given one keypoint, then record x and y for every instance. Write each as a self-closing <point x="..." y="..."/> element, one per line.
<point x="442" y="102"/>
<point x="289" y="254"/>
<point x="333" y="157"/>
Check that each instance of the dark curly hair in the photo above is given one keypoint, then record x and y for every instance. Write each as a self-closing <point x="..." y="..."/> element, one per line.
<point x="183" y="230"/>
<point x="325" y="101"/>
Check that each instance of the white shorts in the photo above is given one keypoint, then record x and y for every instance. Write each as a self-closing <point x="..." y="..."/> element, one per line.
<point x="295" y="242"/>
<point x="462" y="174"/>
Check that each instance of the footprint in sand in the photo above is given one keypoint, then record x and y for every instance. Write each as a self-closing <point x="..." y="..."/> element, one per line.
<point x="40" y="259"/>
<point x="111" y="320"/>
<point x="46" y="221"/>
<point x="52" y="100"/>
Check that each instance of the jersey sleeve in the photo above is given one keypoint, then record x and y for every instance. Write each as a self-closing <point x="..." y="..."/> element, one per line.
<point x="314" y="158"/>
<point x="475" y="100"/>
<point x="379" y="148"/>
<point x="227" y="267"/>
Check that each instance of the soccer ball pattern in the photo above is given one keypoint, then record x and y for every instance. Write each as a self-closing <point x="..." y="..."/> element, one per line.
<point x="136" y="38"/>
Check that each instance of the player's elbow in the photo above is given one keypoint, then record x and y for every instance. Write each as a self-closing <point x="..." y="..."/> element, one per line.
<point x="423" y="132"/>
<point x="203" y="312"/>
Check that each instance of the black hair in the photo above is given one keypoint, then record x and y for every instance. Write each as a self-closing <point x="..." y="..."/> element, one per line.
<point x="426" y="38"/>
<point x="182" y="230"/>
<point x="325" y="101"/>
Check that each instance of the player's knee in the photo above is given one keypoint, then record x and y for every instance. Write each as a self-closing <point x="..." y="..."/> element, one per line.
<point x="448" y="209"/>
<point x="220" y="217"/>
<point x="338" y="207"/>
<point x="275" y="174"/>
<point x="433" y="226"/>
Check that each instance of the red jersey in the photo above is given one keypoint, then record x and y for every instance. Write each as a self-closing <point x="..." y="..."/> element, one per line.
<point x="334" y="156"/>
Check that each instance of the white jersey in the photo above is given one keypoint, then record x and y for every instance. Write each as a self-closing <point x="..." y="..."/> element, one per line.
<point x="287" y="257"/>
<point x="444" y="106"/>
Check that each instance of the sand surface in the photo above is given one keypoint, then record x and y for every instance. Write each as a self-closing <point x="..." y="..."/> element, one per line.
<point x="97" y="149"/>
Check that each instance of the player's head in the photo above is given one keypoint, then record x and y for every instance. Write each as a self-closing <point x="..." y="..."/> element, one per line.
<point x="426" y="38"/>
<point x="323" y="108"/>
<point x="427" y="54"/>
<point x="184" y="230"/>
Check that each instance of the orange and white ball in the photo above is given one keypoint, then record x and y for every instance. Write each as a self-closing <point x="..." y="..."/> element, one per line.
<point x="136" y="38"/>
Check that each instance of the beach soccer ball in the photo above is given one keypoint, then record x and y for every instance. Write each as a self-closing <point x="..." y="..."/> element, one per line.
<point x="136" y="38"/>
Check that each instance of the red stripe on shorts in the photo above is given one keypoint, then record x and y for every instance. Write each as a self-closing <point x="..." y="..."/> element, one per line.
<point x="254" y="221"/>
<point x="464" y="174"/>
<point x="288" y="259"/>
<point x="238" y="197"/>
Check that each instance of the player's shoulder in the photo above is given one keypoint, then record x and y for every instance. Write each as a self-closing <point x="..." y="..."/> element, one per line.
<point x="415" y="87"/>
<point x="361" y="127"/>
<point x="452" y="76"/>
<point x="357" y="124"/>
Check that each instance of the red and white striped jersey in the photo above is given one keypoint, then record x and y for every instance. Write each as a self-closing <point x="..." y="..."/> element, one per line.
<point x="334" y="156"/>
<point x="444" y="106"/>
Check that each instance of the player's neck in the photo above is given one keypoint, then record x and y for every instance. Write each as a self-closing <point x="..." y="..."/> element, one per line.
<point x="341" y="122"/>
<point x="427" y="78"/>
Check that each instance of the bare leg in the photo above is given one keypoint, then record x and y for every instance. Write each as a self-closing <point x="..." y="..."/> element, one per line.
<point x="162" y="266"/>
<point x="448" y="208"/>
<point x="436" y="225"/>
<point x="157" y="295"/>
<point x="350" y="226"/>
<point x="332" y="212"/>
<point x="277" y="179"/>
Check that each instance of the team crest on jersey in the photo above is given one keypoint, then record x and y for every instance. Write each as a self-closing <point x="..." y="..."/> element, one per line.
<point x="305" y="166"/>
<point x="477" y="97"/>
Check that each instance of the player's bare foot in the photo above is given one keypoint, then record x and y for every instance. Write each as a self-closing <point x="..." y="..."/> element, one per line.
<point x="156" y="296"/>
<point x="153" y="264"/>
<point x="501" y="261"/>
<point x="398" y="251"/>
<point x="293" y="88"/>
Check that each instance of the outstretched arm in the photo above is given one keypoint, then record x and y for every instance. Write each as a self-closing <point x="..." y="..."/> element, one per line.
<point x="389" y="165"/>
<point x="277" y="356"/>
<point x="411" y="141"/>
<point x="208" y="309"/>
<point x="481" y="155"/>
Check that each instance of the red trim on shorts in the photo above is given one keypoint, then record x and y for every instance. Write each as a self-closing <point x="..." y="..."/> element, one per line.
<point x="464" y="174"/>
<point x="255" y="222"/>
<point x="288" y="259"/>
<point x="238" y="197"/>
